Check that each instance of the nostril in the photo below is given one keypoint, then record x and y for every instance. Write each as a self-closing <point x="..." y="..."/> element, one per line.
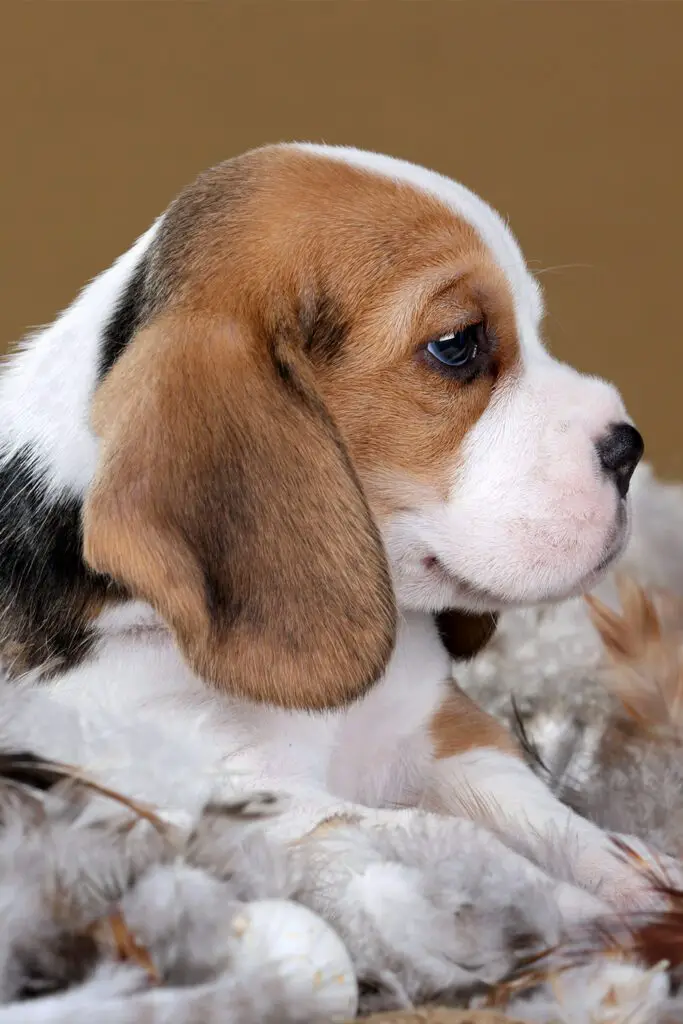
<point x="620" y="451"/>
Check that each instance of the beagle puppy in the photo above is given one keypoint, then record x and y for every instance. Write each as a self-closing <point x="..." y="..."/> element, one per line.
<point x="278" y="465"/>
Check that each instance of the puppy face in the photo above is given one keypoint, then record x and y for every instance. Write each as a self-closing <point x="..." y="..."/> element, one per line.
<point x="334" y="342"/>
<point x="487" y="476"/>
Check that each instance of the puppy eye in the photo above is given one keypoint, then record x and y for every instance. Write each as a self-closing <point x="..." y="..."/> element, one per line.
<point x="457" y="348"/>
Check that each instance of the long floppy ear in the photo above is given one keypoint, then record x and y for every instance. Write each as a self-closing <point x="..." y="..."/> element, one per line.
<point x="225" y="498"/>
<point x="463" y="634"/>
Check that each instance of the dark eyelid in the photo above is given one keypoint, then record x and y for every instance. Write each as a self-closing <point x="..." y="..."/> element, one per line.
<point x="454" y="328"/>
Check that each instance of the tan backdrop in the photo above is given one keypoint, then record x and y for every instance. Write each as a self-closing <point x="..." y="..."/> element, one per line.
<point x="567" y="116"/>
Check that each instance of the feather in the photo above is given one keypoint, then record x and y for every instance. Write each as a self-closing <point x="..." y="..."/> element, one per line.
<point x="644" y="650"/>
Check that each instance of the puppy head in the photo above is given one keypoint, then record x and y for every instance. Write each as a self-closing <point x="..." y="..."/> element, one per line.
<point x="338" y="359"/>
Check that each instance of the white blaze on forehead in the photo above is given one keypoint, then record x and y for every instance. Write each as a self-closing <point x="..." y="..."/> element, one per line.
<point x="490" y="226"/>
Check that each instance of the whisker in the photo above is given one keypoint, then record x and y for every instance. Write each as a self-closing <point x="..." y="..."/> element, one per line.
<point x="562" y="266"/>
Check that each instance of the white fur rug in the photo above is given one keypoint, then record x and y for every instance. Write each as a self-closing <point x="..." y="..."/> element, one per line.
<point x="132" y="920"/>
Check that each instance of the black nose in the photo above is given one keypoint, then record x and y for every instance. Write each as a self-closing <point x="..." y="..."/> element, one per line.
<point x="620" y="451"/>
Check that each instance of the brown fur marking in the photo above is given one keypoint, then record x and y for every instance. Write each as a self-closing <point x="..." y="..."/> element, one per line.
<point x="460" y="725"/>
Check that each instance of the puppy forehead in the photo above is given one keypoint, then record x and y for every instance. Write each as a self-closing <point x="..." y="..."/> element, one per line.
<point x="313" y="214"/>
<point x="487" y="222"/>
<point x="367" y="252"/>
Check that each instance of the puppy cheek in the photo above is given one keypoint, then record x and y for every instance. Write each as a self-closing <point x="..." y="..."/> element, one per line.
<point x="522" y="542"/>
<point x="406" y="541"/>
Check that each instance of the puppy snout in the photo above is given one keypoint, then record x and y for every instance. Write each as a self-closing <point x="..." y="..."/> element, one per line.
<point x="620" y="451"/>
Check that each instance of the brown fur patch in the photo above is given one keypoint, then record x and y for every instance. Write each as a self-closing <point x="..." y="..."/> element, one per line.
<point x="459" y="724"/>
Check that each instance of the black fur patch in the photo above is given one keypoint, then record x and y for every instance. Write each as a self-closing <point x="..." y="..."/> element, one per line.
<point x="126" y="319"/>
<point x="46" y="590"/>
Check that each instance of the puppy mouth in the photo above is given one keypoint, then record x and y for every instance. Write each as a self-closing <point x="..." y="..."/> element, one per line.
<point x="466" y="590"/>
<point x="479" y="598"/>
<point x="605" y="563"/>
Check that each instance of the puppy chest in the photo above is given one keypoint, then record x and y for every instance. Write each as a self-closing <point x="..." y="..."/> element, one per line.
<point x="379" y="772"/>
<point x="355" y="755"/>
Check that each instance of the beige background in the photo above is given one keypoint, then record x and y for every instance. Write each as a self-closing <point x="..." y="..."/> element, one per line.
<point x="565" y="115"/>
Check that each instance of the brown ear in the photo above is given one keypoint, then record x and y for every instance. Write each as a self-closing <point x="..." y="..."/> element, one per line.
<point x="463" y="634"/>
<point x="225" y="498"/>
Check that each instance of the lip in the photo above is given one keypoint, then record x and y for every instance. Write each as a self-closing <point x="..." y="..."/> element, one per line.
<point x="617" y="541"/>
<point x="617" y="544"/>
<point x="466" y="589"/>
<point x="606" y="562"/>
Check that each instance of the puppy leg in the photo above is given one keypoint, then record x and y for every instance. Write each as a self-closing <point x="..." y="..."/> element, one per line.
<point x="306" y="815"/>
<point x="479" y="772"/>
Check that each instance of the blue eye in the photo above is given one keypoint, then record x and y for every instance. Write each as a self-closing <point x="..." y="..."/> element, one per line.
<point x="458" y="348"/>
